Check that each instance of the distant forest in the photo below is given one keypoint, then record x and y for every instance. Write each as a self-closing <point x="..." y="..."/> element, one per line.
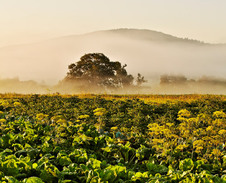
<point x="168" y="84"/>
<point x="182" y="80"/>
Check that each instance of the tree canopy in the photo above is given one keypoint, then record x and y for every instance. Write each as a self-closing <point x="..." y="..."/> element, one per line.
<point x="96" y="69"/>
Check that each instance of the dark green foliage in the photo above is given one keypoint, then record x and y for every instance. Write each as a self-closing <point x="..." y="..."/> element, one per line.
<point x="54" y="139"/>
<point x="95" y="69"/>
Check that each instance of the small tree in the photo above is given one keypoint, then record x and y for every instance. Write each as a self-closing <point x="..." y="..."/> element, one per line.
<point x="97" y="70"/>
<point x="140" y="79"/>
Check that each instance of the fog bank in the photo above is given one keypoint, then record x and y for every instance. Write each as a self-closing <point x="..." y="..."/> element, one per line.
<point x="147" y="52"/>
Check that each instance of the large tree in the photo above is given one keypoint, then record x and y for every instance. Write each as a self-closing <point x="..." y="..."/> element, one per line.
<point x="96" y="69"/>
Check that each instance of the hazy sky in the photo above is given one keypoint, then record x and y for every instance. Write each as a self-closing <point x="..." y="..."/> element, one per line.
<point x="24" y="21"/>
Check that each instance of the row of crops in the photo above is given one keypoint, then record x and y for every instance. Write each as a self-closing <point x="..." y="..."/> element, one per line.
<point x="54" y="138"/>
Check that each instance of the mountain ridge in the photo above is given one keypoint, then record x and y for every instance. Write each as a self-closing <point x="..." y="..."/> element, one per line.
<point x="150" y="35"/>
<point x="147" y="34"/>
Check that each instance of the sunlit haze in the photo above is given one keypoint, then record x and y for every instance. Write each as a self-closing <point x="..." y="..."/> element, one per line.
<point x="31" y="20"/>
<point x="40" y="38"/>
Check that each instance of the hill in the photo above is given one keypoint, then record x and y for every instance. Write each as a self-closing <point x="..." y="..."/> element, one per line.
<point x="148" y="52"/>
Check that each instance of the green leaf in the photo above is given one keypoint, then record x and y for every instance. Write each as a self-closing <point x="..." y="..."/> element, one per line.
<point x="154" y="168"/>
<point x="65" y="181"/>
<point x="223" y="177"/>
<point x="198" y="164"/>
<point x="11" y="179"/>
<point x="1" y="174"/>
<point x="119" y="171"/>
<point x="94" y="163"/>
<point x="46" y="176"/>
<point x="10" y="167"/>
<point x="137" y="176"/>
<point x="17" y="147"/>
<point x="186" y="164"/>
<point x="107" y="175"/>
<point x="33" y="180"/>
<point x="64" y="161"/>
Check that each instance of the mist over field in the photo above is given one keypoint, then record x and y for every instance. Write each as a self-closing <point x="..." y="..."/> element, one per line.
<point x="150" y="53"/>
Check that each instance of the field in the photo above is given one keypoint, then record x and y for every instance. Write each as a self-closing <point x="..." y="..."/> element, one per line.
<point x="112" y="138"/>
